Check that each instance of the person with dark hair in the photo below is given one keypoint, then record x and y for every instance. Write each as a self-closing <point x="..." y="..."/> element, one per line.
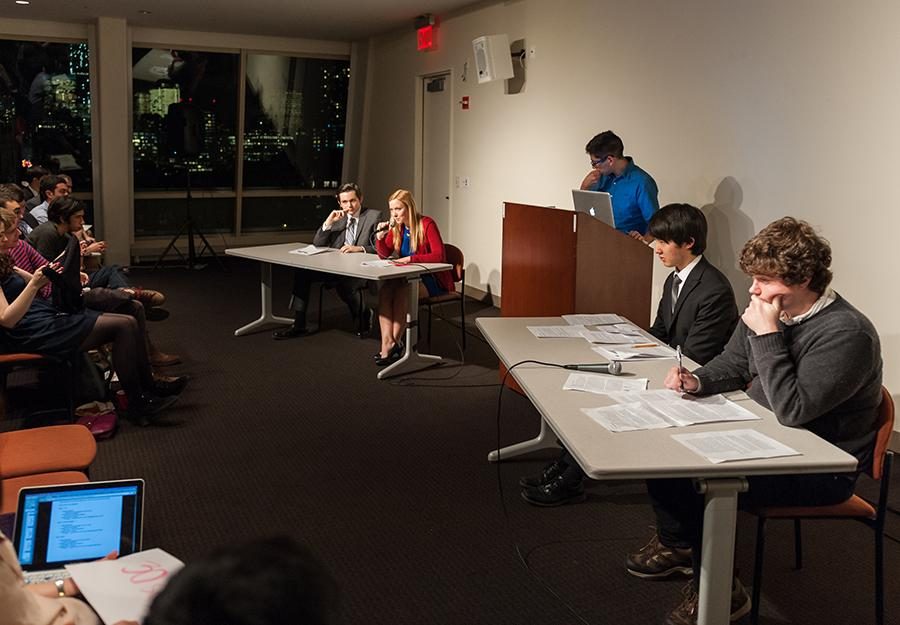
<point x="697" y="312"/>
<point x="64" y="215"/>
<point x="806" y="354"/>
<point x="633" y="191"/>
<point x="31" y="183"/>
<point x="52" y="187"/>
<point x="13" y="197"/>
<point x="30" y="324"/>
<point x="349" y="229"/>
<point x="273" y="581"/>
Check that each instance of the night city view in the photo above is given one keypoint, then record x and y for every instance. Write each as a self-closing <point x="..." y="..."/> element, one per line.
<point x="45" y="110"/>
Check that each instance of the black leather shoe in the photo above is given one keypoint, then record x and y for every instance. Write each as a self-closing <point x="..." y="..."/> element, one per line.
<point x="170" y="387"/>
<point x="556" y="492"/>
<point x="365" y="324"/>
<point x="146" y="408"/>
<point x="393" y="356"/>
<point x="290" y="332"/>
<point x="551" y="471"/>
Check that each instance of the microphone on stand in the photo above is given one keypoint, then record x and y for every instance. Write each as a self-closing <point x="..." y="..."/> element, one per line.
<point x="612" y="368"/>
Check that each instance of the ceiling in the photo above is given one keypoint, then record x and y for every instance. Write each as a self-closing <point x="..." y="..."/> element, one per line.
<point x="342" y="20"/>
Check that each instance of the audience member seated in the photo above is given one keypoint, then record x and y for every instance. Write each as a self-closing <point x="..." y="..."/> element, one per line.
<point x="408" y="238"/>
<point x="800" y="350"/>
<point x="65" y="216"/>
<point x="349" y="229"/>
<point x="31" y="181"/>
<point x="37" y="604"/>
<point x="697" y="313"/>
<point x="264" y="582"/>
<point x="52" y="187"/>
<point x="61" y="329"/>
<point x="102" y="299"/>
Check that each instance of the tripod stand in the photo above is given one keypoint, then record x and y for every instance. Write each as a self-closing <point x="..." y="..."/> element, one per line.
<point x="191" y="229"/>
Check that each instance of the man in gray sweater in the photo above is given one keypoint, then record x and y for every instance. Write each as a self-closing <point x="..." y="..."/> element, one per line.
<point x="801" y="351"/>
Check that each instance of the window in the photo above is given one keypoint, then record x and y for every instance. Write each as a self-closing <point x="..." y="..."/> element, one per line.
<point x="45" y="110"/>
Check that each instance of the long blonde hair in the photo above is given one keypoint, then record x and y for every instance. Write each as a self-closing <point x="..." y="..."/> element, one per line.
<point x="8" y="220"/>
<point x="416" y="233"/>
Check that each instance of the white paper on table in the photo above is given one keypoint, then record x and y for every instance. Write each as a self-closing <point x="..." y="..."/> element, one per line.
<point x="593" y="320"/>
<point x="377" y="263"/>
<point x="309" y="250"/>
<point x="732" y="445"/>
<point x="557" y="332"/>
<point x="610" y="337"/>
<point x="629" y="352"/>
<point x="628" y="417"/>
<point x="688" y="409"/>
<point x="122" y="590"/>
<point x="602" y="384"/>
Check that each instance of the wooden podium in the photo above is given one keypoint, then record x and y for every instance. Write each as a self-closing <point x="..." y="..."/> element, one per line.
<point x="557" y="262"/>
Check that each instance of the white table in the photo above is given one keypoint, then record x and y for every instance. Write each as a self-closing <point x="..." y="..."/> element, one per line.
<point x="349" y="265"/>
<point x="651" y="453"/>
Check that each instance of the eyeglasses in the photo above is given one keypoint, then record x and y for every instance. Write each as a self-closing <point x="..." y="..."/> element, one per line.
<point x="599" y="161"/>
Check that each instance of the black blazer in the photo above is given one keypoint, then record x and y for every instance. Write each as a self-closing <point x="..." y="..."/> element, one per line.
<point x="705" y="313"/>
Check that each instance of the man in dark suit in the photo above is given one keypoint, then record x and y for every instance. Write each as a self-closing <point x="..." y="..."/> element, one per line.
<point x="349" y="229"/>
<point x="697" y="312"/>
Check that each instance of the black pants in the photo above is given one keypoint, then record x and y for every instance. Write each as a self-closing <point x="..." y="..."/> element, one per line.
<point x="679" y="508"/>
<point x="348" y="289"/>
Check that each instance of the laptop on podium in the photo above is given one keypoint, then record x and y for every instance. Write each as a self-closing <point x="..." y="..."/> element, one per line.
<point x="597" y="204"/>
<point x="68" y="523"/>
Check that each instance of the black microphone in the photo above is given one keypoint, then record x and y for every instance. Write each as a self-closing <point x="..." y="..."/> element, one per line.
<point x="612" y="368"/>
<point x="386" y="226"/>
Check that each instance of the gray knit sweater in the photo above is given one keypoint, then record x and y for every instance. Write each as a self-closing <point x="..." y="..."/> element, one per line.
<point x="823" y="374"/>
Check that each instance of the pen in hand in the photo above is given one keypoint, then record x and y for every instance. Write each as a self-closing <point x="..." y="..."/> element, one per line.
<point x="680" y="368"/>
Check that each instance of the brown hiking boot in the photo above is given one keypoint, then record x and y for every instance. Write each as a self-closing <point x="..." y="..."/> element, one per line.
<point x="656" y="561"/>
<point x="686" y="612"/>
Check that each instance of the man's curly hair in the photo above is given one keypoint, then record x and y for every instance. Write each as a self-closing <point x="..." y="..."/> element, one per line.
<point x="790" y="250"/>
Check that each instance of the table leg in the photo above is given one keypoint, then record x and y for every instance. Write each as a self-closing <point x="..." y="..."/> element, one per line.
<point x="546" y="438"/>
<point x="265" y="317"/>
<point x="717" y="559"/>
<point x="411" y="360"/>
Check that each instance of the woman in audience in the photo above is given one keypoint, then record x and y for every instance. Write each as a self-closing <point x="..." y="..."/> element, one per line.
<point x="408" y="238"/>
<point x="61" y="329"/>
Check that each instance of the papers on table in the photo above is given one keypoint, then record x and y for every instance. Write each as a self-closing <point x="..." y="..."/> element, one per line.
<point x="649" y="410"/>
<point x="309" y="250"/>
<point x="377" y="263"/>
<point x="615" y="335"/>
<point x="593" y="320"/>
<point x="602" y="384"/>
<point x="640" y="351"/>
<point x="122" y="590"/>
<point x="734" y="445"/>
<point x="557" y="332"/>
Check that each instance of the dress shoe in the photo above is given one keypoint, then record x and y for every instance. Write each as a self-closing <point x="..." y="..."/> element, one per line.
<point x="162" y="359"/>
<point x="393" y="356"/>
<point x="147" y="297"/>
<point x="552" y="470"/>
<point x="365" y="324"/>
<point x="556" y="492"/>
<point x="290" y="332"/>
<point x="146" y="408"/>
<point x="167" y="386"/>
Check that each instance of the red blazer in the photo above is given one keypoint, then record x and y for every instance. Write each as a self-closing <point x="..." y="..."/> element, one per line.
<point x="431" y="250"/>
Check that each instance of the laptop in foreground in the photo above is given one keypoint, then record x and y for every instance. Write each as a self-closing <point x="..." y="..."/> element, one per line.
<point x="597" y="204"/>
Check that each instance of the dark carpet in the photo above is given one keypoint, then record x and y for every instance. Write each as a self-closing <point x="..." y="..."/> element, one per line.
<point x="388" y="482"/>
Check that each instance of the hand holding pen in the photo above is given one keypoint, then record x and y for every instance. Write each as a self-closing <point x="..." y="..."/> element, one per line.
<point x="679" y="362"/>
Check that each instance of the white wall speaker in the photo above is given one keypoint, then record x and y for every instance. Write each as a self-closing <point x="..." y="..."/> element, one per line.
<point x="492" y="58"/>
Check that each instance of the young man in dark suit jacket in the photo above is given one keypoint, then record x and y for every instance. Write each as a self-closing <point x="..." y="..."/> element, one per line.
<point x="696" y="312"/>
<point x="349" y="229"/>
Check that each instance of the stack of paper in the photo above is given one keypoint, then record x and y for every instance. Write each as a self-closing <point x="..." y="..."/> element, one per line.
<point x="309" y="250"/>
<point x="377" y="263"/>
<point x="557" y="332"/>
<point x="635" y="352"/>
<point x="647" y="410"/>
<point x="734" y="445"/>
<point x="593" y="320"/>
<point x="603" y="384"/>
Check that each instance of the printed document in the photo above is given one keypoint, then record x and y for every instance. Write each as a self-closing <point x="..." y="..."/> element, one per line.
<point x="309" y="250"/>
<point x="557" y="332"/>
<point x="377" y="263"/>
<point x="635" y="352"/>
<point x="603" y="384"/>
<point x="734" y="445"/>
<point x="615" y="337"/>
<point x="593" y="320"/>
<point x="627" y="417"/>
<point x="662" y="408"/>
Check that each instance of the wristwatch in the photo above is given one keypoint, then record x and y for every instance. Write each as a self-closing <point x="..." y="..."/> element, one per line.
<point x="60" y="587"/>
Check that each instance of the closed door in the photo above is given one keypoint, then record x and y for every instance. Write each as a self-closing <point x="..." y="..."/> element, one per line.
<point x="435" y="201"/>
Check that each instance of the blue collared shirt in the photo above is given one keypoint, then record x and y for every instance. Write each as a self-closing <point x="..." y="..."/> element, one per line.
<point x="633" y="195"/>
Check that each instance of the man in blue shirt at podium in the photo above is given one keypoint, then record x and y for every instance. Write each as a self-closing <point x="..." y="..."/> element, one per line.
<point x="633" y="191"/>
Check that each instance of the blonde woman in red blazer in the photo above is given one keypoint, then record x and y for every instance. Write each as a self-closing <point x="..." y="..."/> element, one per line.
<point x="409" y="238"/>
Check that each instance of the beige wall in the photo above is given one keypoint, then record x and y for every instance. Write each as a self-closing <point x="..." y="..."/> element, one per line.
<point x="752" y="110"/>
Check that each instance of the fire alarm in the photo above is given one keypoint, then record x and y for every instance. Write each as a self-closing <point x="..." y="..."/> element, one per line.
<point x="464" y="103"/>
